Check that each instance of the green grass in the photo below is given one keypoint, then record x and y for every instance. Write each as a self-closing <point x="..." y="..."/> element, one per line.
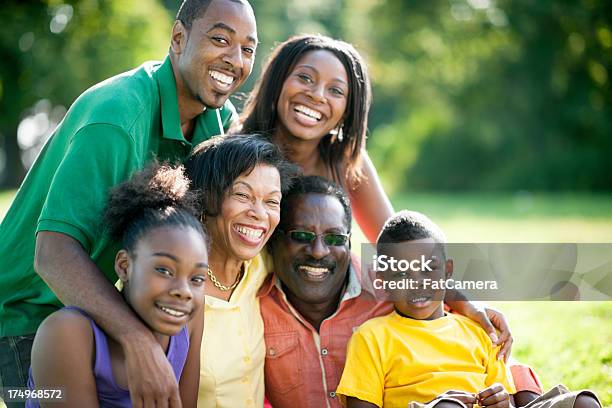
<point x="565" y="342"/>
<point x="523" y="217"/>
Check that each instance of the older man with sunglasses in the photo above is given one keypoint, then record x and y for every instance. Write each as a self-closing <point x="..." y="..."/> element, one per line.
<point x="314" y="301"/>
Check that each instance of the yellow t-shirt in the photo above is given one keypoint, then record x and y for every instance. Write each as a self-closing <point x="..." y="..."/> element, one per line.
<point x="394" y="360"/>
<point x="233" y="350"/>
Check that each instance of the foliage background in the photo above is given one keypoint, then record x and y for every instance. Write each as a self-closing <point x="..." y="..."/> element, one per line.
<point x="469" y="94"/>
<point x="492" y="116"/>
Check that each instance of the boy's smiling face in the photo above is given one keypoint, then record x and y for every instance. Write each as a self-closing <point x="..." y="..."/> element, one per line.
<point x="424" y="303"/>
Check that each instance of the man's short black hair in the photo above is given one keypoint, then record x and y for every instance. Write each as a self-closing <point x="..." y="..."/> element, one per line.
<point x="191" y="10"/>
<point x="409" y="226"/>
<point x="313" y="185"/>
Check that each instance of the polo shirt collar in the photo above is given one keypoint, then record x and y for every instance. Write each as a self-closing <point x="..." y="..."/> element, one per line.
<point x="353" y="285"/>
<point x="171" y="120"/>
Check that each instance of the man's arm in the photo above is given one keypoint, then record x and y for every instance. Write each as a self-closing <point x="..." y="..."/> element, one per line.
<point x="522" y="398"/>
<point x="352" y="402"/>
<point x="369" y="202"/>
<point x="76" y="280"/>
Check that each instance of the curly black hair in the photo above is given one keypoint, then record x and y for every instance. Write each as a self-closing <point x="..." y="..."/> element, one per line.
<point x="157" y="196"/>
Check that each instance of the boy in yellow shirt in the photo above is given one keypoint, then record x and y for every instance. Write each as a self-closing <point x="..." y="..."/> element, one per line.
<point x="419" y="356"/>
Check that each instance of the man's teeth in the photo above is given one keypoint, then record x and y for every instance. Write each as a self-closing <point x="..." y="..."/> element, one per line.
<point x="311" y="113"/>
<point x="311" y="270"/>
<point x="418" y="300"/>
<point x="249" y="232"/>
<point x="172" y="312"/>
<point x="221" y="77"/>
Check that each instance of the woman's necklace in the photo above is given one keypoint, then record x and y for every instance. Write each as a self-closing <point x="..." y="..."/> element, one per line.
<point x="221" y="286"/>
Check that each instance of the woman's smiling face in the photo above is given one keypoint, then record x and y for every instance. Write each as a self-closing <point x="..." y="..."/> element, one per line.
<point x="314" y="96"/>
<point x="249" y="213"/>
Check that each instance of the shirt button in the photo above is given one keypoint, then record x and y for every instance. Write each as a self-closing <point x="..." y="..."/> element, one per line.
<point x="324" y="352"/>
<point x="332" y="394"/>
<point x="245" y="379"/>
<point x="247" y="359"/>
<point x="272" y="351"/>
<point x="249" y="401"/>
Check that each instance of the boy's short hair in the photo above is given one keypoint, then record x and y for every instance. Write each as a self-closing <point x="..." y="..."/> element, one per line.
<point x="409" y="226"/>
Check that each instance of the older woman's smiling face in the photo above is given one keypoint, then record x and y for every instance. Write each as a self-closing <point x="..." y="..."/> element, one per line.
<point x="249" y="213"/>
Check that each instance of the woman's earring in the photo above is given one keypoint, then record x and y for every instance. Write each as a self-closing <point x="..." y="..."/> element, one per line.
<point x="337" y="134"/>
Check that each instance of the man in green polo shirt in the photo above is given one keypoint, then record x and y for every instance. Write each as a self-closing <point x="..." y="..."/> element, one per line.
<point x="52" y="233"/>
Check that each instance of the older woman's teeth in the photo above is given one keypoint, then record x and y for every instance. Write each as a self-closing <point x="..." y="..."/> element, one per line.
<point x="311" y="113"/>
<point x="250" y="232"/>
<point x="172" y="312"/>
<point x="225" y="80"/>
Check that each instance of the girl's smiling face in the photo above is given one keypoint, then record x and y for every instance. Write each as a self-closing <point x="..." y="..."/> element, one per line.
<point x="314" y="96"/>
<point x="164" y="277"/>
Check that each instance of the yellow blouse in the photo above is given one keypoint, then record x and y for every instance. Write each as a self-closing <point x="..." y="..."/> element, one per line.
<point x="233" y="350"/>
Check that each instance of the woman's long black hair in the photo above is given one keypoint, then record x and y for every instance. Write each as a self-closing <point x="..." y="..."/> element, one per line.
<point x="260" y="111"/>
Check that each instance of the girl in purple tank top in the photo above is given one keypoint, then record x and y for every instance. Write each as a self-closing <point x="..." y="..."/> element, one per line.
<point x="162" y="267"/>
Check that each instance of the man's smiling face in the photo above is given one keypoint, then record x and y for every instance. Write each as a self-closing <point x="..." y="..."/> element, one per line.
<point x="312" y="272"/>
<point x="216" y="54"/>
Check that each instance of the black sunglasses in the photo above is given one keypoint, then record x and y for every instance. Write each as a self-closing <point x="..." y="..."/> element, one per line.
<point x="330" y="238"/>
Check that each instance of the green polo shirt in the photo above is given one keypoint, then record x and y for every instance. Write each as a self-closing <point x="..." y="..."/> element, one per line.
<point x="112" y="130"/>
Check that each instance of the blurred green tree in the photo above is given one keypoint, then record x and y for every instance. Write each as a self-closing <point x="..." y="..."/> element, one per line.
<point x="53" y="50"/>
<point x="485" y="94"/>
<point x="468" y="94"/>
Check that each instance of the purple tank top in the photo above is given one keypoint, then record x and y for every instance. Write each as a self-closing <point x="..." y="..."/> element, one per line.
<point x="110" y="395"/>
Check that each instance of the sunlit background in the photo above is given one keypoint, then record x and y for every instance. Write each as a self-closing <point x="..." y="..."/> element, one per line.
<point x="493" y="117"/>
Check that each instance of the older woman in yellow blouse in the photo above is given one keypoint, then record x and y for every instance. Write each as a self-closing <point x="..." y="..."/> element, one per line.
<point x="241" y="180"/>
